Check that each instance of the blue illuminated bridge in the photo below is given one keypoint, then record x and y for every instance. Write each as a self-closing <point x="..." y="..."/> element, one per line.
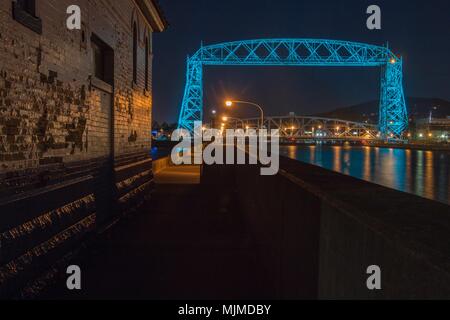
<point x="393" y="119"/>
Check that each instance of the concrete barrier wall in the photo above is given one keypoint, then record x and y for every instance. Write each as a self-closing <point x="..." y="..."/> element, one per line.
<point x="348" y="246"/>
<point x="363" y="224"/>
<point x="161" y="164"/>
<point x="325" y="229"/>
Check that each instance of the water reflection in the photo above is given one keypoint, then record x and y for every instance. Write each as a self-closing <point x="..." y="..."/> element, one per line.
<point x="337" y="163"/>
<point x="425" y="173"/>
<point x="429" y="173"/>
<point x="418" y="182"/>
<point x="367" y="167"/>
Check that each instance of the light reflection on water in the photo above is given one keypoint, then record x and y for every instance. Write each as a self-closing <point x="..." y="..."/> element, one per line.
<point x="424" y="173"/>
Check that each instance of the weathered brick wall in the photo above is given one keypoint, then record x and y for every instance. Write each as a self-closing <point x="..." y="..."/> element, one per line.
<point x="48" y="111"/>
<point x="73" y="156"/>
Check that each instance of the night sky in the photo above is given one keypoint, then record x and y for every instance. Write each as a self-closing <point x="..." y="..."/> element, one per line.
<point x="417" y="30"/>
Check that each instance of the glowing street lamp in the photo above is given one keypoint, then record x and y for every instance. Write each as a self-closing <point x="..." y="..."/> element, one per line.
<point x="230" y="103"/>
<point x="226" y="118"/>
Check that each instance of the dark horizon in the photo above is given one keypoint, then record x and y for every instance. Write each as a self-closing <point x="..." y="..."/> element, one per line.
<point x="299" y="90"/>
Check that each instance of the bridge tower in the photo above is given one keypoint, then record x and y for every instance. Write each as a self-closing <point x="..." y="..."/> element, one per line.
<point x="393" y="120"/>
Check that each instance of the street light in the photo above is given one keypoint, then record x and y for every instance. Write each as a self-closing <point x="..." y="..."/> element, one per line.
<point x="226" y="118"/>
<point x="213" y="118"/>
<point x="229" y="103"/>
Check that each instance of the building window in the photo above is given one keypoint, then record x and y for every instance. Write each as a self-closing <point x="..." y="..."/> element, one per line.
<point x="24" y="12"/>
<point x="103" y="60"/>
<point x="147" y="64"/>
<point x="135" y="48"/>
<point x="29" y="6"/>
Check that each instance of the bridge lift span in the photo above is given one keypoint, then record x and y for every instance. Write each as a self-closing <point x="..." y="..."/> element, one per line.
<point x="293" y="128"/>
<point x="393" y="120"/>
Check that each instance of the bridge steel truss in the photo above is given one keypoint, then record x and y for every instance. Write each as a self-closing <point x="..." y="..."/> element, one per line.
<point x="393" y="120"/>
<point x="311" y="128"/>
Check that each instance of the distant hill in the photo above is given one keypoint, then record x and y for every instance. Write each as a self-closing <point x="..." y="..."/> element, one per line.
<point x="418" y="108"/>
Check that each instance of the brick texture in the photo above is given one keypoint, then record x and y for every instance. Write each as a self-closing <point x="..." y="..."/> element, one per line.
<point x="74" y="151"/>
<point x="48" y="109"/>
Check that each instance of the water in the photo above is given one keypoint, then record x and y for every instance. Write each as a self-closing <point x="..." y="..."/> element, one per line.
<point x="424" y="173"/>
<point x="159" y="152"/>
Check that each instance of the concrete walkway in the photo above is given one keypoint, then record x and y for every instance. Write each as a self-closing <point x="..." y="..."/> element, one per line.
<point x="183" y="175"/>
<point x="187" y="243"/>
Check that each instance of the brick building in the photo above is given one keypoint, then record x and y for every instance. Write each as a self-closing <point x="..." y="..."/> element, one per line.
<point x="75" y="126"/>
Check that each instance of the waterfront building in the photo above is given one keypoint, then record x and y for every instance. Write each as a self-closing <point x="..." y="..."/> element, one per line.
<point x="75" y="119"/>
<point x="433" y="129"/>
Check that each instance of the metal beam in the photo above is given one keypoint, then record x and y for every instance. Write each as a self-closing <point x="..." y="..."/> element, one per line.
<point x="312" y="128"/>
<point x="301" y="52"/>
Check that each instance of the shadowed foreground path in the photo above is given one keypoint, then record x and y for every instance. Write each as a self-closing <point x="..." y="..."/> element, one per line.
<point x="186" y="243"/>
